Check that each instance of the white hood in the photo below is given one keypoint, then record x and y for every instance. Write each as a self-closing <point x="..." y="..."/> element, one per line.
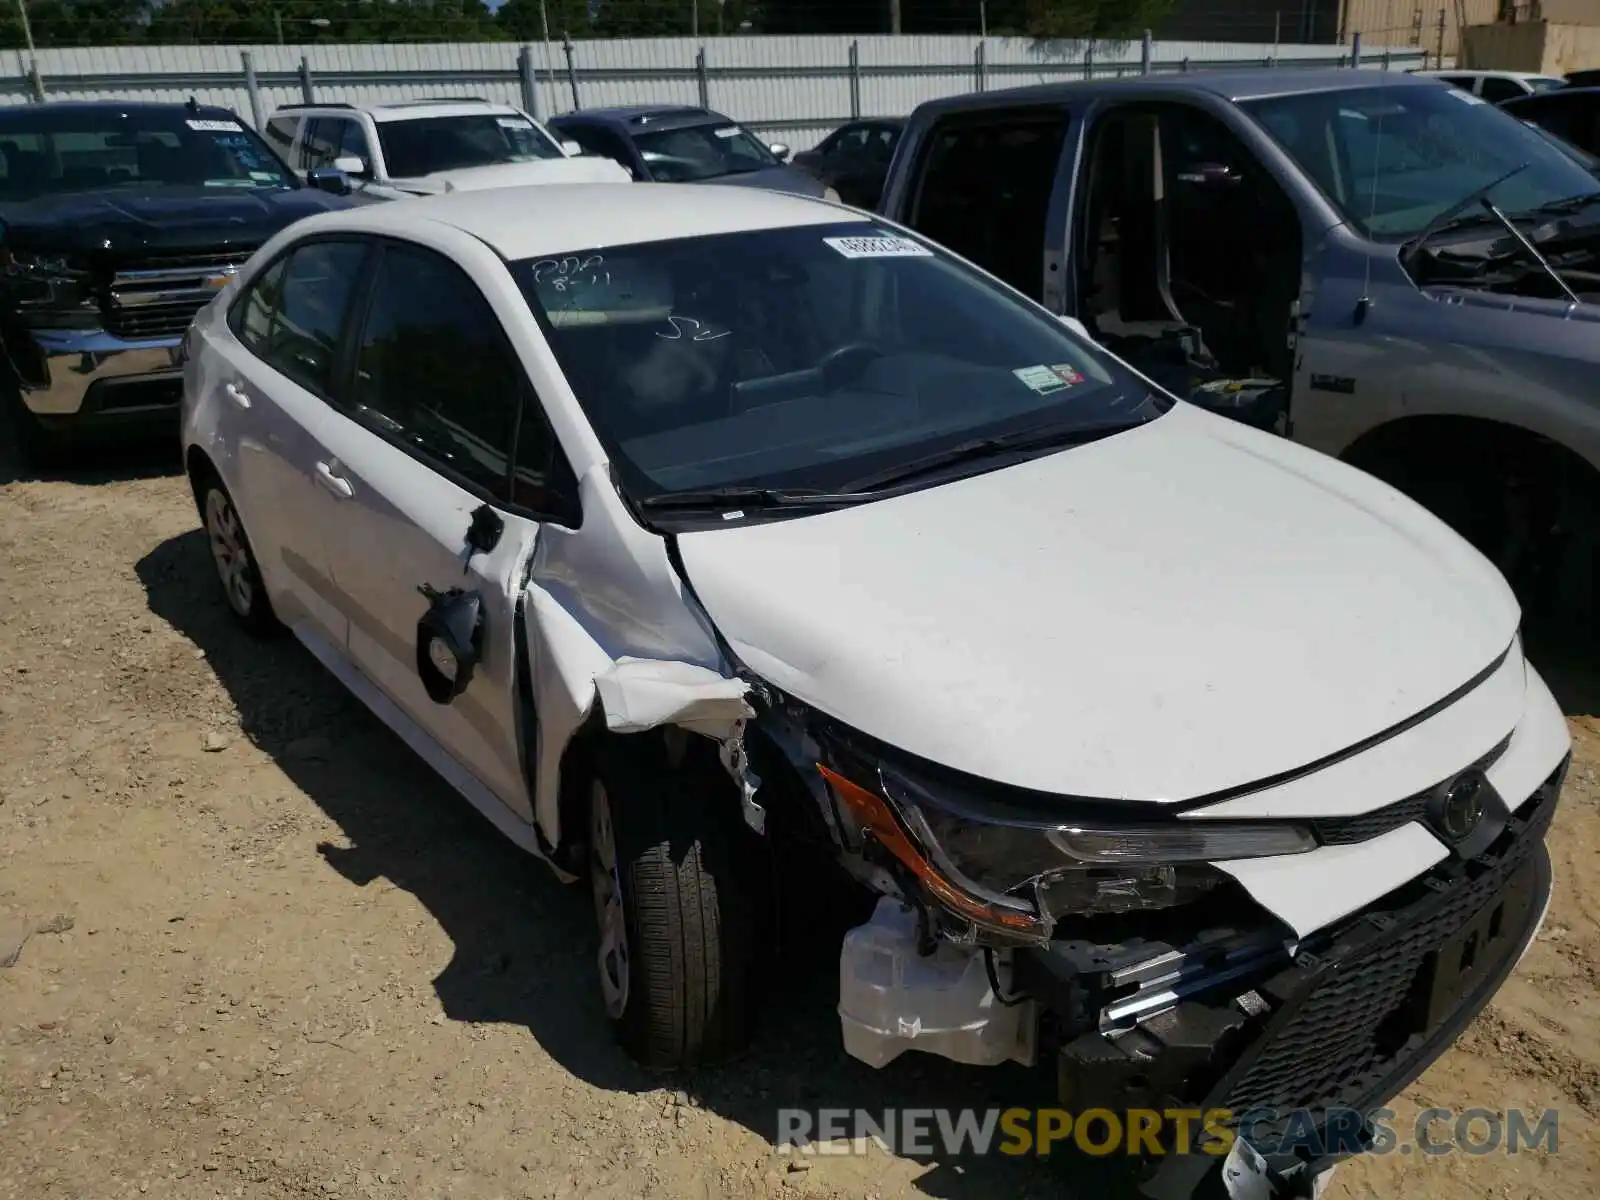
<point x="542" y="170"/>
<point x="1185" y="608"/>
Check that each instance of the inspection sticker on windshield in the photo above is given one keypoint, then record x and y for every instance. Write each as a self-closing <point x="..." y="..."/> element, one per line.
<point x="878" y="247"/>
<point x="1067" y="373"/>
<point x="216" y="126"/>
<point x="1043" y="380"/>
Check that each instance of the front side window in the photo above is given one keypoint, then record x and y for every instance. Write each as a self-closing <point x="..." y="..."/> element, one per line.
<point x="48" y="150"/>
<point x="433" y="368"/>
<point x="1391" y="159"/>
<point x="809" y="357"/>
<point x="702" y="152"/>
<point x="419" y="146"/>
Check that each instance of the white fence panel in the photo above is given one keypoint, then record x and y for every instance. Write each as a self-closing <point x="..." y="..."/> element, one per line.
<point x="793" y="89"/>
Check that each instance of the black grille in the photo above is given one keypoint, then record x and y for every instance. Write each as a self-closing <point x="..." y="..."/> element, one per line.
<point x="1343" y="831"/>
<point x="1342" y="1045"/>
<point x="184" y="260"/>
<point x="152" y="320"/>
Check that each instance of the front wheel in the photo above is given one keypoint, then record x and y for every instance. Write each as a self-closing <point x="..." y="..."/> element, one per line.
<point x="675" y="927"/>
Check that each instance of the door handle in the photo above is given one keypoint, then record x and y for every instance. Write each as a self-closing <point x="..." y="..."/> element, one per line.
<point x="237" y="394"/>
<point x="336" y="484"/>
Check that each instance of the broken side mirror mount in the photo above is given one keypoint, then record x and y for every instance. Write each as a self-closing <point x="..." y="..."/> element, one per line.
<point x="449" y="642"/>
<point x="1076" y="326"/>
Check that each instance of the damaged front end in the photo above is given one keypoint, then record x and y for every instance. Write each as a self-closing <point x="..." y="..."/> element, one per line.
<point x="1109" y="942"/>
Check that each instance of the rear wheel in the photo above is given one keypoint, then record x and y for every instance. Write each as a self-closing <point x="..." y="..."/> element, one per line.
<point x="234" y="559"/>
<point x="670" y="903"/>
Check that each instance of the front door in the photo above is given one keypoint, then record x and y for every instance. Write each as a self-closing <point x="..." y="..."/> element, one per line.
<point x="437" y="409"/>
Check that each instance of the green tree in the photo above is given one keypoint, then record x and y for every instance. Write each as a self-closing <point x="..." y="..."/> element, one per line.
<point x="78" y="23"/>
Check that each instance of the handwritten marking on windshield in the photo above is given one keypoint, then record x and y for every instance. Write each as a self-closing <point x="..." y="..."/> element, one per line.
<point x="565" y="272"/>
<point x="701" y="332"/>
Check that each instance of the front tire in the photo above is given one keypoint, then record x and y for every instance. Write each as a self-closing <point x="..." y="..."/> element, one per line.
<point x="674" y="919"/>
<point x="235" y="560"/>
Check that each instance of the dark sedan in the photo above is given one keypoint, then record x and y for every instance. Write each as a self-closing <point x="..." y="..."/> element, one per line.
<point x="685" y="145"/>
<point x="854" y="159"/>
<point x="1572" y="114"/>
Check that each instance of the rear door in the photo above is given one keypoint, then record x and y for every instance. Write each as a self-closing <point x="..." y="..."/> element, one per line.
<point x="279" y="355"/>
<point x="442" y="425"/>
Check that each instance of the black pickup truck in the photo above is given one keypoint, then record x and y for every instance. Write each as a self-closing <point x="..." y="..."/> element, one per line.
<point x="118" y="221"/>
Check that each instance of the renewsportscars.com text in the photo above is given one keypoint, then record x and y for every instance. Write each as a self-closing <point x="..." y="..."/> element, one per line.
<point x="1154" y="1132"/>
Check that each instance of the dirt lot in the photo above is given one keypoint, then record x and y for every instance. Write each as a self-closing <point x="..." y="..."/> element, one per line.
<point x="274" y="957"/>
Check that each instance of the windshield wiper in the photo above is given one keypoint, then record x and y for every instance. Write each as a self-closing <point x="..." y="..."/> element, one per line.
<point x="740" y="496"/>
<point x="1567" y="204"/>
<point x="1448" y="218"/>
<point x="989" y="447"/>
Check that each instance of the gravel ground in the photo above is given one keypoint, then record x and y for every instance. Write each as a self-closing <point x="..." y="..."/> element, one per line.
<point x="264" y="953"/>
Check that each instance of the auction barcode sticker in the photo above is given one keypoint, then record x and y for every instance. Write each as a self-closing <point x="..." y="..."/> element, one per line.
<point x="878" y="247"/>
<point x="216" y="126"/>
<point x="512" y="122"/>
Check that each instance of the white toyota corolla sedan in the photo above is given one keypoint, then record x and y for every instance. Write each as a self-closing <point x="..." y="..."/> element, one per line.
<point x="687" y="529"/>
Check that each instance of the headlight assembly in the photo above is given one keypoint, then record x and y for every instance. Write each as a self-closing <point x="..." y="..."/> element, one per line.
<point x="1015" y="872"/>
<point x="43" y="281"/>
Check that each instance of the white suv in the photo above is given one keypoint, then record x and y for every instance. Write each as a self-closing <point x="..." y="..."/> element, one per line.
<point x="689" y="530"/>
<point x="420" y="147"/>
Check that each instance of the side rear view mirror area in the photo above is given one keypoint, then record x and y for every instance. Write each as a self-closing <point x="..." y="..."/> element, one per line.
<point x="329" y="179"/>
<point x="779" y="151"/>
<point x="571" y="149"/>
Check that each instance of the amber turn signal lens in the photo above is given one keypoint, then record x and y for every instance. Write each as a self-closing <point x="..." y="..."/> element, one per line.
<point x="879" y="820"/>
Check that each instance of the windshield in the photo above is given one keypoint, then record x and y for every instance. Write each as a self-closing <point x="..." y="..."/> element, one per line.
<point x="808" y="357"/>
<point x="1543" y="83"/>
<point x="48" y="151"/>
<point x="702" y="152"/>
<point x="421" y="146"/>
<point x="1391" y="159"/>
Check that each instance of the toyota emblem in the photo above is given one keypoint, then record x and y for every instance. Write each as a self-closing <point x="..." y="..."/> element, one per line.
<point x="1463" y="804"/>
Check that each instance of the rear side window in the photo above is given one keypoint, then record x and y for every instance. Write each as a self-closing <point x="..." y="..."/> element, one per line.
<point x="280" y="132"/>
<point x="1497" y="90"/>
<point x="293" y="316"/>
<point x="984" y="190"/>
<point x="433" y="368"/>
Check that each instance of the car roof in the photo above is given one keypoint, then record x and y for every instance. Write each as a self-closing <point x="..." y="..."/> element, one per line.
<point x="12" y="112"/>
<point x="401" y="110"/>
<point x="553" y="218"/>
<point x="643" y="117"/>
<point x="1469" y="73"/>
<point x="1553" y="96"/>
<point x="1252" y="84"/>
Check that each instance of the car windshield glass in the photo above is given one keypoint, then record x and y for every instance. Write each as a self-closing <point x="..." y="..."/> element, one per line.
<point x="424" y="145"/>
<point x="1541" y="83"/>
<point x="809" y="357"/>
<point x="702" y="152"/>
<point x="47" y="150"/>
<point x="1391" y="159"/>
